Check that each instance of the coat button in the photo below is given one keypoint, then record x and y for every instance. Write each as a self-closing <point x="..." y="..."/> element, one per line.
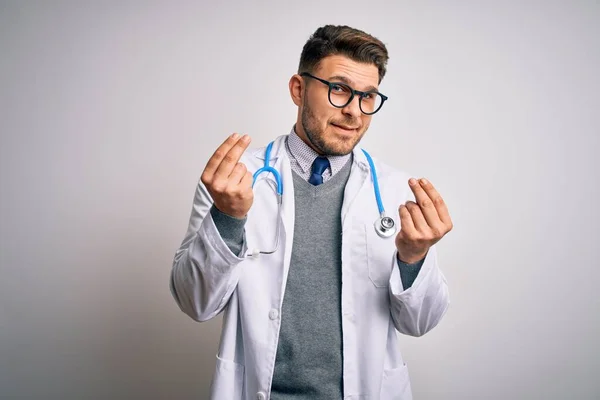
<point x="261" y="396"/>
<point x="273" y="314"/>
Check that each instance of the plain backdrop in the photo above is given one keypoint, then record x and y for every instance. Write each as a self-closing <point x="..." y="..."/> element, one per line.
<point x="109" y="111"/>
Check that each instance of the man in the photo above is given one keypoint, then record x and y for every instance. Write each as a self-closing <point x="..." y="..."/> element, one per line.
<point x="317" y="315"/>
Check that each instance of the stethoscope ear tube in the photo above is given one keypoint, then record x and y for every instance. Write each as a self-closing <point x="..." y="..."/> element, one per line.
<point x="268" y="168"/>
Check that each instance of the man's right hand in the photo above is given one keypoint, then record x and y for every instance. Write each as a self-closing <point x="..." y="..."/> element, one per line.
<point x="228" y="180"/>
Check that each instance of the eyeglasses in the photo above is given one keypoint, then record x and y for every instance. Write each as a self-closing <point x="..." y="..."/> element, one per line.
<point x="340" y="95"/>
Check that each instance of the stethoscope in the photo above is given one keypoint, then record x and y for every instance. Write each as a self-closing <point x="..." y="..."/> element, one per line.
<point x="384" y="225"/>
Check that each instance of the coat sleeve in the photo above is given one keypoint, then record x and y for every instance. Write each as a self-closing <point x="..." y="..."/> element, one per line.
<point x="418" y="309"/>
<point x="205" y="272"/>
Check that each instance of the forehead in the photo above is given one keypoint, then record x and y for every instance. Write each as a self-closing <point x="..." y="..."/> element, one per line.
<point x="359" y="75"/>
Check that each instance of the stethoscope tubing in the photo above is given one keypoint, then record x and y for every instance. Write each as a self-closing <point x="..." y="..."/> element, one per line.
<point x="381" y="228"/>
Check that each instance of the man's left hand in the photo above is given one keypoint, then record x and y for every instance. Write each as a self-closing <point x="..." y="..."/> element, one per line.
<point x="422" y="223"/>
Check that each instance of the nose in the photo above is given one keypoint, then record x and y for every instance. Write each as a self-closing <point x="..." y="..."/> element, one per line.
<point x="353" y="108"/>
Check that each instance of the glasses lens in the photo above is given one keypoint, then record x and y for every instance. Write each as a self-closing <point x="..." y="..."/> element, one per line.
<point x="339" y="94"/>
<point x="370" y="102"/>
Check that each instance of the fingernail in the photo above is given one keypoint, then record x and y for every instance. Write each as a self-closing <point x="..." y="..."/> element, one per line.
<point x="412" y="181"/>
<point x="235" y="136"/>
<point x="246" y="138"/>
<point x="424" y="181"/>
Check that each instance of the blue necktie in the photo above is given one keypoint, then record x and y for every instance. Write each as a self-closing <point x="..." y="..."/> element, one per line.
<point x="319" y="166"/>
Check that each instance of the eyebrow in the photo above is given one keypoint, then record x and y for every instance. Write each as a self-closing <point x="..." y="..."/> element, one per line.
<point x="348" y="82"/>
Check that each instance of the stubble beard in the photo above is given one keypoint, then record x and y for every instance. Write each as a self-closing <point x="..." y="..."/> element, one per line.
<point x="316" y="136"/>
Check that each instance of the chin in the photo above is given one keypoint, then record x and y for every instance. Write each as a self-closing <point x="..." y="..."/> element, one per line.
<point x="342" y="144"/>
<point x="340" y="147"/>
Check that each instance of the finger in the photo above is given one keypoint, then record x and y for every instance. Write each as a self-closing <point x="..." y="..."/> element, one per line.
<point x="417" y="216"/>
<point x="247" y="180"/>
<point x="437" y="200"/>
<point x="238" y="173"/>
<point x="425" y="202"/>
<point x="406" y="222"/>
<point x="215" y="160"/>
<point x="232" y="157"/>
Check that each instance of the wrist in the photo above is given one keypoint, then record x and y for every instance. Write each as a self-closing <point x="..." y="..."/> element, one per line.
<point x="229" y="212"/>
<point x="410" y="258"/>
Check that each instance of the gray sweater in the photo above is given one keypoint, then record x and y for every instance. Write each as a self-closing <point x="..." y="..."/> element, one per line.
<point x="309" y="352"/>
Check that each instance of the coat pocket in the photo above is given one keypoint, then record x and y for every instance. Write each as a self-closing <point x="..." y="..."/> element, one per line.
<point x="395" y="384"/>
<point x="380" y="255"/>
<point x="228" y="381"/>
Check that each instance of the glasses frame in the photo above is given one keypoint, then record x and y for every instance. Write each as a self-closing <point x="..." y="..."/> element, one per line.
<point x="353" y="92"/>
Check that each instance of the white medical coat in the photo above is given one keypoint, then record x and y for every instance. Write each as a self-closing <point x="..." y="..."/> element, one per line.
<point x="208" y="278"/>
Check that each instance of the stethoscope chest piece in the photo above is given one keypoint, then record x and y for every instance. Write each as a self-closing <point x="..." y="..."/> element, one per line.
<point x="385" y="227"/>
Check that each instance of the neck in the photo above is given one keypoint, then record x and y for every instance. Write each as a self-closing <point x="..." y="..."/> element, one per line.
<point x="302" y="135"/>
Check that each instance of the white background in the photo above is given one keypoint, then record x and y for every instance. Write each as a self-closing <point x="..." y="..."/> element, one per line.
<point x="109" y="111"/>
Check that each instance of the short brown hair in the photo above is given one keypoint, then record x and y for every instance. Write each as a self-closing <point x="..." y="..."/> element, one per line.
<point x="343" y="40"/>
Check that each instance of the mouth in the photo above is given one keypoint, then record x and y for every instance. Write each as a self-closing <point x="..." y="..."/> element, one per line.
<point x="346" y="128"/>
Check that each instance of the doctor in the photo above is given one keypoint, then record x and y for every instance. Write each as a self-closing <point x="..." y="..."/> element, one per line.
<point x="313" y="286"/>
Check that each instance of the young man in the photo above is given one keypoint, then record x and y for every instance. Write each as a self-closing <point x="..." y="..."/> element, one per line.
<point x="314" y="285"/>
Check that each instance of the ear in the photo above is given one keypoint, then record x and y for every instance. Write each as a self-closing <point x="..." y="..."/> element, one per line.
<point x="296" y="89"/>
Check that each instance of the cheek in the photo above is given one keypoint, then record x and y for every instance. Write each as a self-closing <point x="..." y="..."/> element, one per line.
<point x="321" y="115"/>
<point x="366" y="121"/>
<point x="319" y="103"/>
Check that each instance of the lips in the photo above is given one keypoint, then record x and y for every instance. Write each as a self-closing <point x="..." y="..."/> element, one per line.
<point x="348" y="128"/>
